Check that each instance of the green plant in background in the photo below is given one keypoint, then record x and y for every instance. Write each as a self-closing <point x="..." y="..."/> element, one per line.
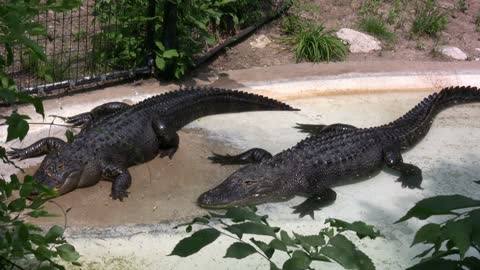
<point x="451" y="240"/>
<point x="461" y="5"/>
<point x="311" y="42"/>
<point x="375" y="26"/>
<point x="50" y="70"/>
<point x="329" y="245"/>
<point x="429" y="20"/>
<point x="370" y="7"/>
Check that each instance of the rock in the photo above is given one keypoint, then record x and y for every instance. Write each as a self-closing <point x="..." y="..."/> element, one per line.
<point x="359" y="42"/>
<point x="477" y="49"/>
<point x="260" y="42"/>
<point x="453" y="52"/>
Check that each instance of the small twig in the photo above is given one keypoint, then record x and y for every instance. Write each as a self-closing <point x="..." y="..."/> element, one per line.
<point x="12" y="263"/>
<point x="51" y="124"/>
<point x="64" y="213"/>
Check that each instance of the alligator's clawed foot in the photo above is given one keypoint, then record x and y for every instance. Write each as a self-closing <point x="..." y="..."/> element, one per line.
<point x="79" y="119"/>
<point x="167" y="152"/>
<point x="477" y="182"/>
<point x="411" y="178"/>
<point x="308" y="207"/>
<point x="16" y="153"/>
<point x="120" y="195"/>
<point x="223" y="159"/>
<point x="310" y="128"/>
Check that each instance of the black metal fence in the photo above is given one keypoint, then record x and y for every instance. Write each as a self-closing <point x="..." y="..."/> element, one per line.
<point x="107" y="40"/>
<point x="83" y="46"/>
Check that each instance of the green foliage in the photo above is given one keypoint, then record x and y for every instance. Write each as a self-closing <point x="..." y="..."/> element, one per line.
<point x="375" y="26"/>
<point x="429" y="20"/>
<point x="329" y="245"/>
<point x="461" y="5"/>
<point x="311" y="42"/>
<point x="370" y="7"/>
<point x="50" y="70"/>
<point x="23" y="244"/>
<point x="452" y="238"/>
<point x="394" y="12"/>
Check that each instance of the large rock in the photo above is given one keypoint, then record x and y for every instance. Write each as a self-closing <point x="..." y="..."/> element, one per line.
<point x="453" y="52"/>
<point x="358" y="41"/>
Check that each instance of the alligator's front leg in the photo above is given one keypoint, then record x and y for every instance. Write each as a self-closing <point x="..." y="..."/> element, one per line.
<point x="410" y="175"/>
<point x="254" y="155"/>
<point x="121" y="180"/>
<point x="320" y="198"/>
<point x="39" y="148"/>
<point x="312" y="129"/>
<point x="167" y="137"/>
<point x="96" y="113"/>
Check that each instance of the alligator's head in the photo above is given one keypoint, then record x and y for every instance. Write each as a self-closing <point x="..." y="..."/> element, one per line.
<point x="59" y="173"/>
<point x="252" y="184"/>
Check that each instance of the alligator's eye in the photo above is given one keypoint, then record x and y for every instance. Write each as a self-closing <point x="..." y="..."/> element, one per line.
<point x="249" y="182"/>
<point x="60" y="166"/>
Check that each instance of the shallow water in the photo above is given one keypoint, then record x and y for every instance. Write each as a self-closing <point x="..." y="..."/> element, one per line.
<point x="164" y="191"/>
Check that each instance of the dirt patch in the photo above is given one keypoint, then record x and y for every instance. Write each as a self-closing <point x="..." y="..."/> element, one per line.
<point x="162" y="189"/>
<point x="334" y="14"/>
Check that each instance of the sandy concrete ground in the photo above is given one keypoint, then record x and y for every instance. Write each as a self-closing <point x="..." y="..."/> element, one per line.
<point x="138" y="233"/>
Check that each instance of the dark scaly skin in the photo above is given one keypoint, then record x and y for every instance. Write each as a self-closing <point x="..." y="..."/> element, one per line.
<point x="333" y="154"/>
<point x="116" y="136"/>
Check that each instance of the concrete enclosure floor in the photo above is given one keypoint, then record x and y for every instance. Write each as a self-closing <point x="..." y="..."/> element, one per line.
<point x="138" y="233"/>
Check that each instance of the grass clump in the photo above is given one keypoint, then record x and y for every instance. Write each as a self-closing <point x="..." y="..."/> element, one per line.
<point x="429" y="20"/>
<point x="312" y="42"/>
<point x="461" y="6"/>
<point x="376" y="27"/>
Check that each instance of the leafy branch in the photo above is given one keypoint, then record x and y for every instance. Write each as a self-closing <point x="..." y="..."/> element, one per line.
<point x="453" y="238"/>
<point x="329" y="245"/>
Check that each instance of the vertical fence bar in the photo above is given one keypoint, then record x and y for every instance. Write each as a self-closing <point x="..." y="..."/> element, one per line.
<point x="150" y="35"/>
<point x="169" y="33"/>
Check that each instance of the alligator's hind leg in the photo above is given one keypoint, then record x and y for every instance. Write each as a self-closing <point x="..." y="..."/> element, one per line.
<point x="168" y="139"/>
<point x="39" y="148"/>
<point x="254" y="155"/>
<point x="121" y="180"/>
<point x="322" y="198"/>
<point x="319" y="129"/>
<point x="96" y="113"/>
<point x="410" y="175"/>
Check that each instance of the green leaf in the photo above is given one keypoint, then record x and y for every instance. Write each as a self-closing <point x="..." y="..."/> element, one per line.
<point x="299" y="261"/>
<point x="17" y="205"/>
<point x="475" y="220"/>
<point x="67" y="252"/>
<point x="195" y="242"/>
<point x="359" y="227"/>
<point x="240" y="214"/>
<point x="54" y="233"/>
<point x="459" y="231"/>
<point x="170" y="53"/>
<point x="160" y="46"/>
<point x="41" y="213"/>
<point x="35" y="101"/>
<point x="439" y="205"/>
<point x="436" y="264"/>
<point x="33" y="46"/>
<point x="160" y="62"/>
<point x="279" y="245"/>
<point x="17" y="126"/>
<point x="239" y="250"/>
<point x="344" y="252"/>
<point x="472" y="263"/>
<point x="273" y="266"/>
<point x="428" y="233"/>
<point x="266" y="249"/>
<point x="69" y="135"/>
<point x="250" y="228"/>
<point x="23" y="233"/>
<point x="308" y="241"/>
<point x="26" y="189"/>
<point x="287" y="239"/>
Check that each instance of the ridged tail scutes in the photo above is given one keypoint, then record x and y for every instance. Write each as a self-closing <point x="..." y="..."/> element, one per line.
<point x="414" y="125"/>
<point x="185" y="105"/>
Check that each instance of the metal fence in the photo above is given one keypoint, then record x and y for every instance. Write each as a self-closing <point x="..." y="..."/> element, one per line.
<point x="79" y="43"/>
<point x="107" y="40"/>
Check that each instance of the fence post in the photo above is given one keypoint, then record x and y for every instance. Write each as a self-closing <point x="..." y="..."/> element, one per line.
<point x="169" y="33"/>
<point x="150" y="35"/>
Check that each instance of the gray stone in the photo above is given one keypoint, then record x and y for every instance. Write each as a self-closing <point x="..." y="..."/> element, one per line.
<point x="453" y="52"/>
<point x="358" y="41"/>
<point x="260" y="42"/>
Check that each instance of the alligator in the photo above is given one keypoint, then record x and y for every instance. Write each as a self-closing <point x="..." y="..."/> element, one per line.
<point x="115" y="136"/>
<point x="334" y="154"/>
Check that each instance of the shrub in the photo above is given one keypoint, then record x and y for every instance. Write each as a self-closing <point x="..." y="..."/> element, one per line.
<point x="375" y="26"/>
<point x="429" y="20"/>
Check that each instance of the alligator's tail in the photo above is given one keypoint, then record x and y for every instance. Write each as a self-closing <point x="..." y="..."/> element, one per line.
<point x="414" y="125"/>
<point x="183" y="106"/>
